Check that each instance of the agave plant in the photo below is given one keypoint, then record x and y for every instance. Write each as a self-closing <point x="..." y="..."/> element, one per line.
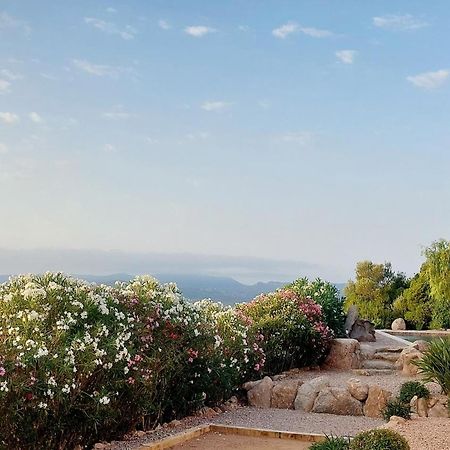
<point x="435" y="364"/>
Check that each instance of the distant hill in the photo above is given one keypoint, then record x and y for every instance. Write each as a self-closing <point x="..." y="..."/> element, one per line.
<point x="196" y="287"/>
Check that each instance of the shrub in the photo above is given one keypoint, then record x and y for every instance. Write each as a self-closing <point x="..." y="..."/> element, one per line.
<point x="81" y="363"/>
<point x="293" y="329"/>
<point x="380" y="439"/>
<point x="411" y="388"/>
<point x="328" y="297"/>
<point x="396" y="407"/>
<point x="332" y="443"/>
<point x="435" y="364"/>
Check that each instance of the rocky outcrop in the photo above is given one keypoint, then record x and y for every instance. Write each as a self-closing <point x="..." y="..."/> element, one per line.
<point x="260" y="394"/>
<point x="376" y="401"/>
<point x="308" y="392"/>
<point x="344" y="354"/>
<point x="335" y="400"/>
<point x="398" y="324"/>
<point x="284" y="393"/>
<point x="357" y="389"/>
<point x="363" y="331"/>
<point x="406" y="358"/>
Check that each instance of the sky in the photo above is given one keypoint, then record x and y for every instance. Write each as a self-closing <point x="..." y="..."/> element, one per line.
<point x="270" y="139"/>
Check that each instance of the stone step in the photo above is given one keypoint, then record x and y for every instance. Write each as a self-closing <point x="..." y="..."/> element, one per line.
<point x="377" y="364"/>
<point x="389" y="350"/>
<point x="386" y="356"/>
<point x="370" y="372"/>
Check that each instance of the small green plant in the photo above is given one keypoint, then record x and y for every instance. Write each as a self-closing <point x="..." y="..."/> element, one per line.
<point x="412" y="388"/>
<point x="435" y="364"/>
<point x="398" y="408"/>
<point x="380" y="439"/>
<point x="332" y="443"/>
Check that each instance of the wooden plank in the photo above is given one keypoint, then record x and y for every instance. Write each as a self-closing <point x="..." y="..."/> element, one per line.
<point x="177" y="439"/>
<point x="256" y="432"/>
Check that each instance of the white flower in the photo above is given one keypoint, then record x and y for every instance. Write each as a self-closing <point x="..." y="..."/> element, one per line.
<point x="42" y="405"/>
<point x="104" y="400"/>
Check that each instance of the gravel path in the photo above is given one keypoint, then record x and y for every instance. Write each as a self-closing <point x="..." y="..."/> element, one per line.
<point x="299" y="421"/>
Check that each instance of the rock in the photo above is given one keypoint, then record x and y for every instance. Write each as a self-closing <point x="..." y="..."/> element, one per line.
<point x="250" y="384"/>
<point x="422" y="407"/>
<point x="396" y="420"/>
<point x="358" y="389"/>
<point x="420" y="345"/>
<point x="307" y="393"/>
<point x="335" y="400"/>
<point x="413" y="404"/>
<point x="284" y="393"/>
<point x="101" y="446"/>
<point x="405" y="360"/>
<point x="363" y="331"/>
<point x="175" y="423"/>
<point x="279" y="377"/>
<point x="376" y="401"/>
<point x="205" y="411"/>
<point x="398" y="324"/>
<point x="439" y="408"/>
<point x="352" y="316"/>
<point x="344" y="354"/>
<point x="217" y="409"/>
<point x="261" y="394"/>
<point x="139" y="433"/>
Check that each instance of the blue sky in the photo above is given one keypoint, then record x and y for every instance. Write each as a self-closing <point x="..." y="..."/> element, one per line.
<point x="286" y="130"/>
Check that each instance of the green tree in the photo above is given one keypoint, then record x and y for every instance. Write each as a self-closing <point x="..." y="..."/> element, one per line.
<point x="374" y="290"/>
<point x="415" y="304"/>
<point x="438" y="273"/>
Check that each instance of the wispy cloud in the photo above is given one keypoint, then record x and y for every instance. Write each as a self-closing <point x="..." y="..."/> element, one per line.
<point x="164" y="25"/>
<point x="8" y="22"/>
<point x="9" y="118"/>
<point x="99" y="70"/>
<point x="127" y="33"/>
<point x="198" y="136"/>
<point x="117" y="113"/>
<point x="9" y="75"/>
<point x="429" y="80"/>
<point x="109" y="148"/>
<point x="3" y="149"/>
<point x="217" y="105"/>
<point x="291" y="27"/>
<point x="346" y="56"/>
<point x="301" y="138"/>
<point x="199" y="30"/>
<point x="399" y="22"/>
<point x="4" y="86"/>
<point x="111" y="10"/>
<point x="35" y="117"/>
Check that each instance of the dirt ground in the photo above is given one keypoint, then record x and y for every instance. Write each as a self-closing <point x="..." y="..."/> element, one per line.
<point x="220" y="441"/>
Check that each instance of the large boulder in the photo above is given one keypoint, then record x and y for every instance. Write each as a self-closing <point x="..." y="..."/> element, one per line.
<point x="420" y="345"/>
<point x="335" y="400"/>
<point x="363" y="331"/>
<point x="352" y="316"/>
<point x="260" y="394"/>
<point x="307" y="393"/>
<point x="284" y="393"/>
<point x="377" y="399"/>
<point x="398" y="324"/>
<point x="344" y="354"/>
<point x="358" y="389"/>
<point x="438" y="406"/>
<point x="406" y="358"/>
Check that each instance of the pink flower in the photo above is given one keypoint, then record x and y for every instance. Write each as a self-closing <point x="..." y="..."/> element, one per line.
<point x="131" y="380"/>
<point x="2" y="371"/>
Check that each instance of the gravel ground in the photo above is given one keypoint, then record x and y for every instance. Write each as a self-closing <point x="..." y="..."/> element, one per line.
<point x="425" y="433"/>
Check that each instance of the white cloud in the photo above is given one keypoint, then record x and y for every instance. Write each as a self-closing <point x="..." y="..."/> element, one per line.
<point x="35" y="117"/>
<point x="243" y="28"/>
<point x="285" y="30"/>
<point x="109" y="148"/>
<point x="8" y="22"/>
<point x="399" y="22"/>
<point x="198" y="136"/>
<point x="3" y="149"/>
<point x="299" y="138"/>
<point x="111" y="10"/>
<point x="429" y="80"/>
<point x="215" y="105"/>
<point x="346" y="56"/>
<point x="291" y="27"/>
<point x="199" y="30"/>
<point x="4" y="86"/>
<point x="99" y="70"/>
<point x="9" y="118"/>
<point x="117" y="113"/>
<point x="164" y="25"/>
<point x="110" y="28"/>
<point x="12" y="76"/>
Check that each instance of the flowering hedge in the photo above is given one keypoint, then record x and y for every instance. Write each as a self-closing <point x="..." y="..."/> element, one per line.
<point x="81" y="363"/>
<point x="293" y="326"/>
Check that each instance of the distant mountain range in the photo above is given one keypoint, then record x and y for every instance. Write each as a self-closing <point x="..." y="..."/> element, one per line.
<point x="196" y="287"/>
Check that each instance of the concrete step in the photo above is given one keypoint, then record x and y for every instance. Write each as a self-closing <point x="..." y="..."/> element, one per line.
<point x="386" y="356"/>
<point x="377" y="364"/>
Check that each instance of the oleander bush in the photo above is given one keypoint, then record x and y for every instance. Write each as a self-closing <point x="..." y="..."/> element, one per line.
<point x="435" y="363"/>
<point x="293" y="327"/>
<point x="328" y="297"/>
<point x="396" y="407"/>
<point x="411" y="388"/>
<point x="81" y="363"/>
<point x="332" y="443"/>
<point x="379" y="439"/>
